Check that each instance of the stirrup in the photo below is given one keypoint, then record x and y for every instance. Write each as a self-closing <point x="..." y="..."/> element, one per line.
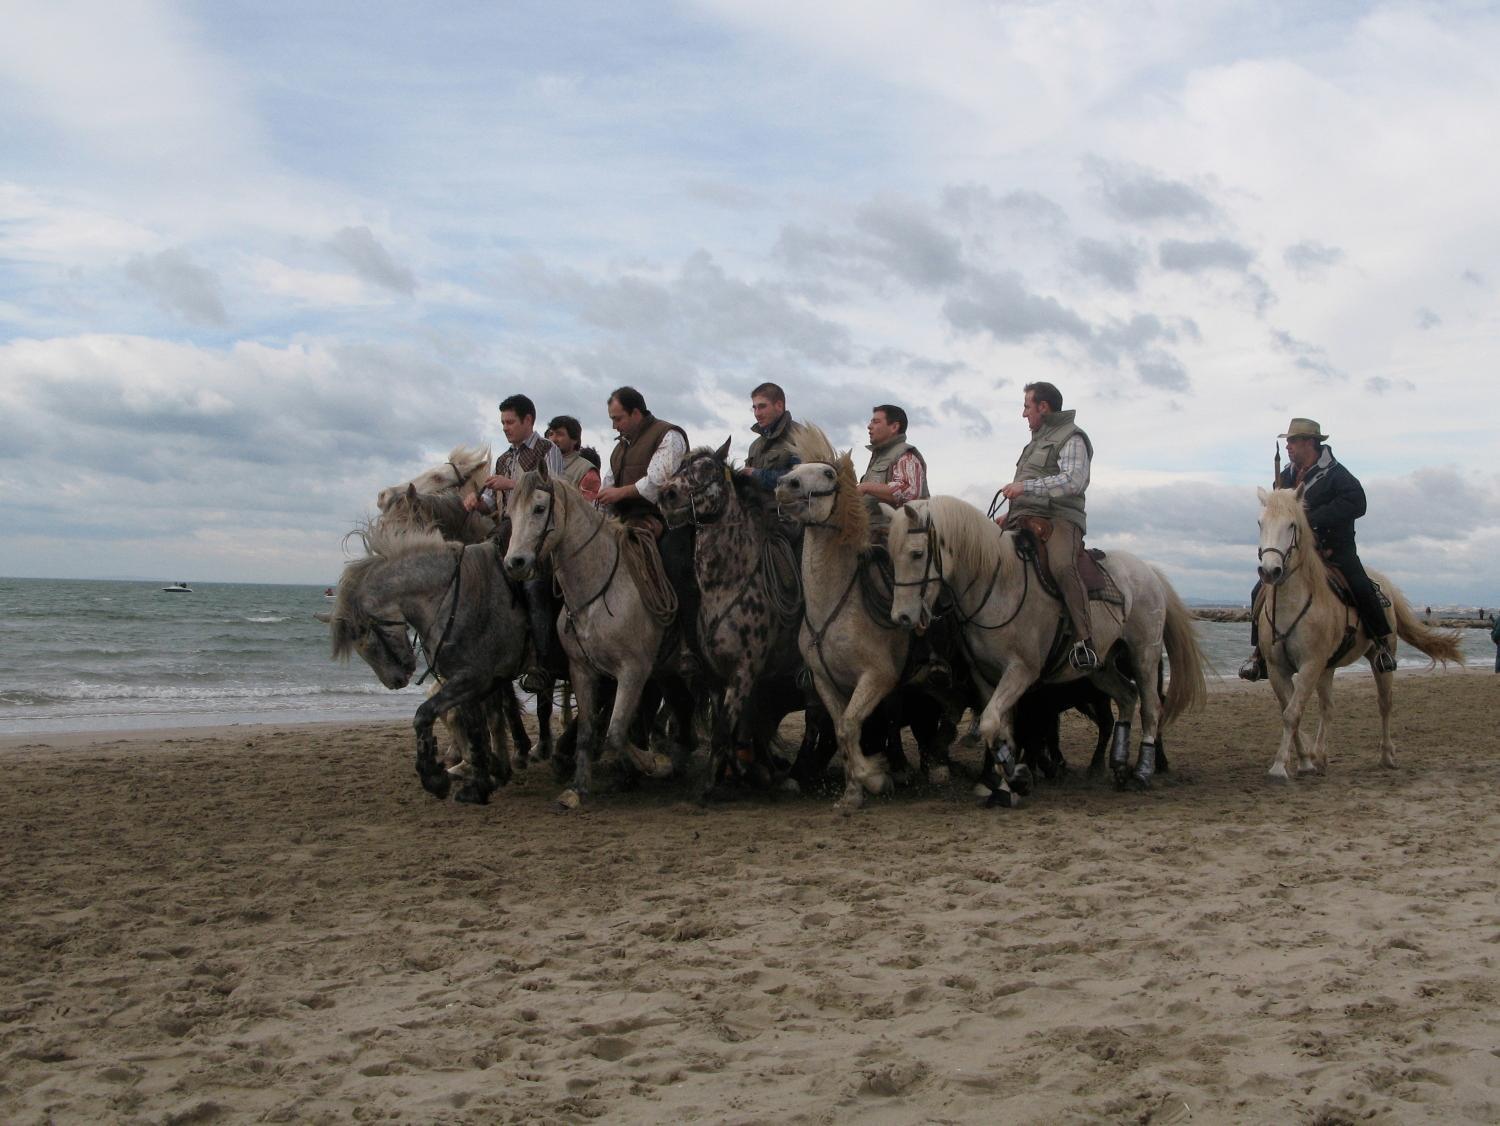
<point x="1385" y="660"/>
<point x="535" y="681"/>
<point x="1254" y="667"/>
<point x="1083" y="657"/>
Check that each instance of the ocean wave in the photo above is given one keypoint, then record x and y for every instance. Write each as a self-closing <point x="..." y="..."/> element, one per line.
<point x="75" y="693"/>
<point x="266" y="619"/>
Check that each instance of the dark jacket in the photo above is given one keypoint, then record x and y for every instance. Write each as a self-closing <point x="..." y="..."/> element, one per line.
<point x="1333" y="497"/>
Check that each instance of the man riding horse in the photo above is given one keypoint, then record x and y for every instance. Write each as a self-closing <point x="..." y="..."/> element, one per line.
<point x="771" y="454"/>
<point x="1334" y="499"/>
<point x="897" y="472"/>
<point x="1051" y="478"/>
<point x="526" y="451"/>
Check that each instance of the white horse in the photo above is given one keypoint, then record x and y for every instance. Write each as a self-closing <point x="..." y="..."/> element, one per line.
<point x="606" y="626"/>
<point x="1307" y="632"/>
<point x="463" y="472"/>
<point x="1010" y="626"/>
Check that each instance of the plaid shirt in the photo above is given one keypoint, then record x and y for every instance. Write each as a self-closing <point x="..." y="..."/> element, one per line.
<point x="907" y="479"/>
<point x="1072" y="477"/>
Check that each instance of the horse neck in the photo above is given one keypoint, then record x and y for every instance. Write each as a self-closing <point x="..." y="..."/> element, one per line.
<point x="1309" y="574"/>
<point x="581" y="571"/>
<point x="827" y="566"/>
<point x="726" y="552"/>
<point x="416" y="584"/>
<point x="971" y="591"/>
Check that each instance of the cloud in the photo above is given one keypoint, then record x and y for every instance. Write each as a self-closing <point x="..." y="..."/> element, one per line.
<point x="909" y="245"/>
<point x="1212" y="254"/>
<point x="190" y="291"/>
<point x="1426" y="318"/>
<point x="1001" y="305"/>
<point x="1139" y="196"/>
<point x="1309" y="358"/>
<point x="1117" y="264"/>
<point x="1310" y="259"/>
<point x="371" y="261"/>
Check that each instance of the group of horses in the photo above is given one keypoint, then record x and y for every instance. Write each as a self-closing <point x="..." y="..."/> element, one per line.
<point x="797" y="611"/>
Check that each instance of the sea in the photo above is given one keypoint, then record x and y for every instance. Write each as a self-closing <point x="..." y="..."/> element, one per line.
<point x="84" y="655"/>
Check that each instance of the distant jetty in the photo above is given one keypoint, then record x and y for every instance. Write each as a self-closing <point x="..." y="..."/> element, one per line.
<point x="1445" y="620"/>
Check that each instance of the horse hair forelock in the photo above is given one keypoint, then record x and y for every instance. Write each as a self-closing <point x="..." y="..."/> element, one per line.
<point x="849" y="516"/>
<point x="383" y="543"/>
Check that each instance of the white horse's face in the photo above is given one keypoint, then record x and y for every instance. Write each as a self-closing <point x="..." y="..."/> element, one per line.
<point x="1279" y="534"/>
<point x="533" y="530"/>
<point x="806" y="493"/>
<point x="916" y="557"/>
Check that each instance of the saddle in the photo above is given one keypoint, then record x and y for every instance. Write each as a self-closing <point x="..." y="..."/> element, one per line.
<point x="1338" y="582"/>
<point x="642" y="559"/>
<point x="1033" y="532"/>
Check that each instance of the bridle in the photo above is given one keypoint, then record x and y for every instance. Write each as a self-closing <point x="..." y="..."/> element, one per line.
<point x="811" y="495"/>
<point x="933" y="573"/>
<point x="692" y="496"/>
<point x="1284" y="554"/>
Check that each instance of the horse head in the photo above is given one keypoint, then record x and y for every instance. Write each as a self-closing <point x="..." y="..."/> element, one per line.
<point x="462" y="472"/>
<point x="1283" y="530"/>
<point x="378" y="634"/>
<point x="807" y="492"/>
<point x="917" y="564"/>
<point x="535" y="522"/>
<point x="700" y="491"/>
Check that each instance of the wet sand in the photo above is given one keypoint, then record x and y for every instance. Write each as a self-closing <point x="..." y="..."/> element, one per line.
<point x="277" y="924"/>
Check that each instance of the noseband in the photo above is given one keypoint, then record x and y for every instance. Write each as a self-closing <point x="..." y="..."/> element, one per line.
<point x="1284" y="555"/>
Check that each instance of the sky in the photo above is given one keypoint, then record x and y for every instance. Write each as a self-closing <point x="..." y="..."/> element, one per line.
<point x="260" y="260"/>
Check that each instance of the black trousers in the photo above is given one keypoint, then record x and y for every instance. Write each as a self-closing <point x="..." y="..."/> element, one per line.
<point x="676" y="546"/>
<point x="1366" y="601"/>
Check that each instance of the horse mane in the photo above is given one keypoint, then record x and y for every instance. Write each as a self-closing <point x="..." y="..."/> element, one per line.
<point x="426" y="510"/>
<point x="1288" y="504"/>
<point x="850" y="518"/>
<point x="809" y="443"/>
<point x="971" y="537"/>
<point x="470" y="459"/>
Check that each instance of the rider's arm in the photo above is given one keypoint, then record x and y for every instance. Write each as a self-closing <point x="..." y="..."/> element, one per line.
<point x="1072" y="477"/>
<point x="663" y="464"/>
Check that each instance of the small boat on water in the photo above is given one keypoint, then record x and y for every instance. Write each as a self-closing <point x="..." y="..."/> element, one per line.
<point x="328" y="592"/>
<point x="178" y="587"/>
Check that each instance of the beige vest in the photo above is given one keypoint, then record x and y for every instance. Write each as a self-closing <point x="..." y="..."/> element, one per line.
<point x="1039" y="459"/>
<point x="882" y="460"/>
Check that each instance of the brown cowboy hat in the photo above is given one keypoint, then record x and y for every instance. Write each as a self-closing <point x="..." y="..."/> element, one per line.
<point x="1304" y="428"/>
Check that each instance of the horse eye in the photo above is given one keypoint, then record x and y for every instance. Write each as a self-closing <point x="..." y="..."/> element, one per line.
<point x="538" y="508"/>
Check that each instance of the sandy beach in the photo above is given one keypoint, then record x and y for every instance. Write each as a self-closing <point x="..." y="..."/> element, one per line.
<point x="277" y="924"/>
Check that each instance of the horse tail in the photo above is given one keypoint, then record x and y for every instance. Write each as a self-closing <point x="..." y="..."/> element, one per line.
<point x="1439" y="645"/>
<point x="1187" y="689"/>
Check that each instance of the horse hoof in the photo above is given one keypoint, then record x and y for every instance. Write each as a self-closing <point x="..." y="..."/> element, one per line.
<point x="569" y="799"/>
<point x="461" y="770"/>
<point x="1278" y="777"/>
<point x="1003" y="799"/>
<point x="1021" y="780"/>
<point x="436" y="783"/>
<point x="982" y="791"/>
<point x="471" y="794"/>
<point x="850" y="802"/>
<point x="879" y="783"/>
<point x="789" y="786"/>
<point x="1139" y="783"/>
<point x="938" y="776"/>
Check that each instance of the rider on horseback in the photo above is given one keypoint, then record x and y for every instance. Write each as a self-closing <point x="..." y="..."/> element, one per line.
<point x="1334" y="499"/>
<point x="771" y="454"/>
<point x="527" y="450"/>
<point x="1051" y="478"/>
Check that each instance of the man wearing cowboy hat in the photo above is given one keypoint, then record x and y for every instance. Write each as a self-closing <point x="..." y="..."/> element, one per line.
<point x="1334" y="499"/>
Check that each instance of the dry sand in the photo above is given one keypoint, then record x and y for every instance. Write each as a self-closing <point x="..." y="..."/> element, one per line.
<point x="271" y="924"/>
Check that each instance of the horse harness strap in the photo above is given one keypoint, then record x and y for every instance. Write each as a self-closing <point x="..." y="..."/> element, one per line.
<point x="454" y="586"/>
<point x="838" y="608"/>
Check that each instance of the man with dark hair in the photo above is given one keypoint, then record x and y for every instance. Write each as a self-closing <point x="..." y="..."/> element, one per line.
<point x="527" y="451"/>
<point x="771" y="453"/>
<point x="565" y="433"/>
<point x="1046" y="495"/>
<point x="897" y="471"/>
<point x="1334" y="499"/>
<point x="647" y="452"/>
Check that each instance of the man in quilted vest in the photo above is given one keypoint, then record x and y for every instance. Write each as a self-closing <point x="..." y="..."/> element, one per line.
<point x="897" y="471"/>
<point x="579" y="467"/>
<point x="1052" y="475"/>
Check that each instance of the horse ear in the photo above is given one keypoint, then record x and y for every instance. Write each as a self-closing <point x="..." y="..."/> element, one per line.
<point x="542" y="471"/>
<point x="411" y="490"/>
<point x="1264" y="496"/>
<point x="1301" y="488"/>
<point x="722" y="453"/>
<point x="890" y="513"/>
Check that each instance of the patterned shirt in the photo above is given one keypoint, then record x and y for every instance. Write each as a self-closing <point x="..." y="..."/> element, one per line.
<point x="663" y="464"/>
<point x="508" y="465"/>
<point x="1072" y="477"/>
<point x="907" y="478"/>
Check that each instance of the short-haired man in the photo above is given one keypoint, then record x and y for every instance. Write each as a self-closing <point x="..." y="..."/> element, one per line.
<point x="526" y="451"/>
<point x="1052" y="475"/>
<point x="647" y="452"/>
<point x="897" y="472"/>
<point x="771" y="453"/>
<point x="565" y="433"/>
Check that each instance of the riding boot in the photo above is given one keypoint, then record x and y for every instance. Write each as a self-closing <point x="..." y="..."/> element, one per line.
<point x="541" y="619"/>
<point x="676" y="546"/>
<point x="1254" y="667"/>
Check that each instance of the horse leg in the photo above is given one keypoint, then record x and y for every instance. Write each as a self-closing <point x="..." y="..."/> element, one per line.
<point x="678" y="698"/>
<point x="1146" y="665"/>
<point x="1317" y="762"/>
<point x="1008" y="780"/>
<point x="586" y="688"/>
<point x="1383" y="684"/>
<point x="1293" y="692"/>
<point x="480" y="783"/>
<point x="925" y="715"/>
<point x="455" y="690"/>
<point x="543" y="722"/>
<point x="629" y="685"/>
<point x="494" y="730"/>
<point x="512" y="705"/>
<point x="1122" y="691"/>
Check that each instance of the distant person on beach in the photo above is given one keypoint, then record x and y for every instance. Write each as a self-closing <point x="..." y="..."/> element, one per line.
<point x="1334" y="499"/>
<point x="1495" y="637"/>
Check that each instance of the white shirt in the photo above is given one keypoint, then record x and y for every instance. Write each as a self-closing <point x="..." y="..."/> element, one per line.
<point x="663" y="464"/>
